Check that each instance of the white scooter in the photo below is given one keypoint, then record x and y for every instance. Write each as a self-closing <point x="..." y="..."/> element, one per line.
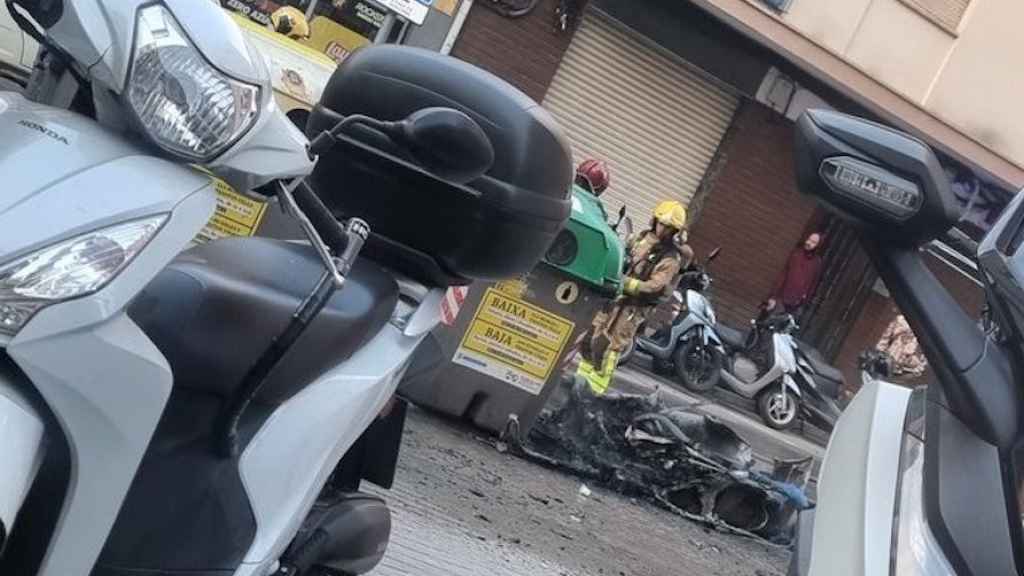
<point x="769" y="381"/>
<point x="171" y="415"/>
<point x="922" y="482"/>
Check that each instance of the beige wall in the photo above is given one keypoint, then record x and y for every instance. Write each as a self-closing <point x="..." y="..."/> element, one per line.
<point x="981" y="87"/>
<point x="884" y="38"/>
<point x="830" y="23"/>
<point x="969" y="80"/>
<point x="899" y="48"/>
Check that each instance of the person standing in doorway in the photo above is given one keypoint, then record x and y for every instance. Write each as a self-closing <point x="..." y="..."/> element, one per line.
<point x="798" y="280"/>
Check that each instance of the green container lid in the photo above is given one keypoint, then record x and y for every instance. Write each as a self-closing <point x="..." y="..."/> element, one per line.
<point x="588" y="248"/>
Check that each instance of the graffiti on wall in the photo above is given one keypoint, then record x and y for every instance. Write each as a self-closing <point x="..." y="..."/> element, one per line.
<point x="982" y="201"/>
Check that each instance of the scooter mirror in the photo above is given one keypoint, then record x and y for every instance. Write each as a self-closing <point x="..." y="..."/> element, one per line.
<point x="874" y="176"/>
<point x="625" y="228"/>
<point x="622" y="216"/>
<point x="446" y="142"/>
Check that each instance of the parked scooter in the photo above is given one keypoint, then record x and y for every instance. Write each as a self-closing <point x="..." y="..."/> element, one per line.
<point x="756" y="363"/>
<point x="689" y="347"/>
<point x="181" y="414"/>
<point x="786" y="379"/>
<point x="924" y="481"/>
<point x="766" y="369"/>
<point x="820" y="386"/>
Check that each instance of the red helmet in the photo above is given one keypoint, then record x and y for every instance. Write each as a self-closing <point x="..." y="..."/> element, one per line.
<point x="594" y="173"/>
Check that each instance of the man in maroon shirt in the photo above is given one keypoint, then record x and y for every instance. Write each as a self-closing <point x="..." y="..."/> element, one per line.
<point x="799" y="280"/>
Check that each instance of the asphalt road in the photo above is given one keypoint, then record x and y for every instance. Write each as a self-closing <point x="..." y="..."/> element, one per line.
<point x="461" y="508"/>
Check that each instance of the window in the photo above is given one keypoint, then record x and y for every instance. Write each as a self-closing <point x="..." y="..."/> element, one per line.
<point x="359" y="16"/>
<point x="944" y="13"/>
<point x="260" y="10"/>
<point x="778" y="5"/>
<point x="336" y="27"/>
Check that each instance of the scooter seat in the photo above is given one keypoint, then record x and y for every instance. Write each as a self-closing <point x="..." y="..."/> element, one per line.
<point x="820" y="366"/>
<point x="731" y="337"/>
<point x="215" y="309"/>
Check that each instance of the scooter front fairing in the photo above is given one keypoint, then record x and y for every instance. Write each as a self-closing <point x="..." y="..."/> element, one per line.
<point x="71" y="191"/>
<point x="64" y="175"/>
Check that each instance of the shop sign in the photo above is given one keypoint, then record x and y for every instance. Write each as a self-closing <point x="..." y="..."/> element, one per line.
<point x="333" y="39"/>
<point x="411" y="10"/>
<point x="446" y="6"/>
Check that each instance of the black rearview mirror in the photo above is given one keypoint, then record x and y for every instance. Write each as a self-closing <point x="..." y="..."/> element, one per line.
<point x="875" y="176"/>
<point x="446" y="142"/>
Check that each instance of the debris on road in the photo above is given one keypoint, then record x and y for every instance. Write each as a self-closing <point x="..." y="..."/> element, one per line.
<point x="688" y="462"/>
<point x="445" y="482"/>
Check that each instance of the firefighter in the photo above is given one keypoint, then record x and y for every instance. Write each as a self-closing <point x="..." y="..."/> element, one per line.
<point x="655" y="258"/>
<point x="291" y="22"/>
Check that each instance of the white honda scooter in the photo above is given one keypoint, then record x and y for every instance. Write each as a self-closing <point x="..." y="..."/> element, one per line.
<point x="174" y="413"/>
<point x="922" y="482"/>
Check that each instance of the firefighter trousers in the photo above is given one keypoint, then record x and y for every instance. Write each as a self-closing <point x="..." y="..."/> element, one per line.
<point x="610" y="333"/>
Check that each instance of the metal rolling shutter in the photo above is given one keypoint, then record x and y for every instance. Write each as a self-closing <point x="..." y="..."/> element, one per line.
<point x="654" y="120"/>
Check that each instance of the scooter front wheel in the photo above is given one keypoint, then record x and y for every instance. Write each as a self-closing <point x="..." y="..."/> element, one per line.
<point x="698" y="367"/>
<point x="778" y="411"/>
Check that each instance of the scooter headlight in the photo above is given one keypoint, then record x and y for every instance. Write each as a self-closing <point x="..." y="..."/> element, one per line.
<point x="187" y="106"/>
<point x="69" y="269"/>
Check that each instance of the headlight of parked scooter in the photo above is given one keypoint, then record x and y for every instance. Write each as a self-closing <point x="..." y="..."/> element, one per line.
<point x="187" y="106"/>
<point x="69" y="269"/>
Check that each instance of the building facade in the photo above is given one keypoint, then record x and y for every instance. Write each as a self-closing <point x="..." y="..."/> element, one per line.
<point x="696" y="101"/>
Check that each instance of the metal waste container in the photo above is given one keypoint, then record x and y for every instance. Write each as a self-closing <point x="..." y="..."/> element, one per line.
<point x="501" y="352"/>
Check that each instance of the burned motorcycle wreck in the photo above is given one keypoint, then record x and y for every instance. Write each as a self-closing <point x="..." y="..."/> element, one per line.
<point x="687" y="462"/>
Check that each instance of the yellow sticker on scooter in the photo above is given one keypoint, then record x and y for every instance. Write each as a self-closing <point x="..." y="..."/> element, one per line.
<point x="235" y="215"/>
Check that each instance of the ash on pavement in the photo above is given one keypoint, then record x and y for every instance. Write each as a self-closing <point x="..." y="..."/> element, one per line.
<point x="460" y="508"/>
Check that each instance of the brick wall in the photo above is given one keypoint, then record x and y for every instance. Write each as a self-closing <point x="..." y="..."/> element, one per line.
<point x="523" y="51"/>
<point x="753" y="211"/>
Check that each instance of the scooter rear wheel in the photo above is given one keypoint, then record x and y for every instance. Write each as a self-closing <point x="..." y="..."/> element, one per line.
<point x="698" y="367"/>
